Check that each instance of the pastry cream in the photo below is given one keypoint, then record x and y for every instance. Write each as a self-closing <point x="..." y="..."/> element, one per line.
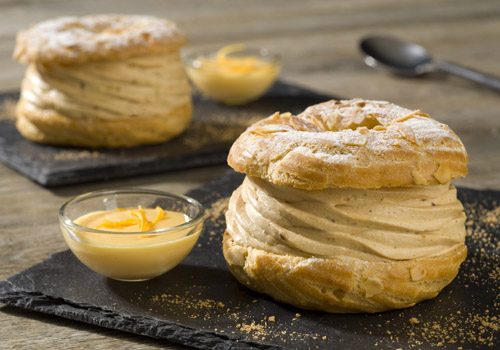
<point x="232" y="78"/>
<point x="379" y="224"/>
<point x="132" y="250"/>
<point x="145" y="85"/>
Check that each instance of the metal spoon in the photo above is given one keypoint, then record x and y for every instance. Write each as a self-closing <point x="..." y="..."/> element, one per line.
<point x="406" y="58"/>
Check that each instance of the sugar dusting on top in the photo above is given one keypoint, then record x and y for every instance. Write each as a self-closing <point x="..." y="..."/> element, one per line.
<point x="80" y="39"/>
<point x="363" y="135"/>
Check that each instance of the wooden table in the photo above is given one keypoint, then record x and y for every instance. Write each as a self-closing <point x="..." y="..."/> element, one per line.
<point x="318" y="40"/>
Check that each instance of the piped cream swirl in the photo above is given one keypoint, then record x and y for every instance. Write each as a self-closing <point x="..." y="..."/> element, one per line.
<point x="379" y="224"/>
<point x="139" y="86"/>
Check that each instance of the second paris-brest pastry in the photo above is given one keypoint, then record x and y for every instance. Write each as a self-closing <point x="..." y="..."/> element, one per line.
<point x="347" y="207"/>
<point x="102" y="81"/>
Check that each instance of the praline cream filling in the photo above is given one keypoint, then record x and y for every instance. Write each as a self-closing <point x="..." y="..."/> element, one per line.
<point x="378" y="224"/>
<point x="139" y="86"/>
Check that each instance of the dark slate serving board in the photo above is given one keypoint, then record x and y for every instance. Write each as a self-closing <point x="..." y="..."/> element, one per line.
<point x="200" y="304"/>
<point x="206" y="142"/>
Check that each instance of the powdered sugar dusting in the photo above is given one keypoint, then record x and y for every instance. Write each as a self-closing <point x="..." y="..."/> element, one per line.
<point x="376" y="142"/>
<point x="78" y="39"/>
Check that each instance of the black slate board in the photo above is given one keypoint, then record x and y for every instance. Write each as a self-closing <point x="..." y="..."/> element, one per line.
<point x="206" y="142"/>
<point x="201" y="305"/>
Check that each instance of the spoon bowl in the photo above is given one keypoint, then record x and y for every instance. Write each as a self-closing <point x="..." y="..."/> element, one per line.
<point x="400" y="57"/>
<point x="409" y="59"/>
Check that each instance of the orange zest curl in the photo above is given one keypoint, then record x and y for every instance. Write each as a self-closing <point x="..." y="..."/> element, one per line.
<point x="138" y="218"/>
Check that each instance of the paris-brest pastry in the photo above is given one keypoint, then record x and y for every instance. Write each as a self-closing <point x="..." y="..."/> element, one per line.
<point x="347" y="207"/>
<point x="102" y="81"/>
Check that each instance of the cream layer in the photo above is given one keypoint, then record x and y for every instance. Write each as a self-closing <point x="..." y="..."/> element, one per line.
<point x="379" y="224"/>
<point x="138" y="86"/>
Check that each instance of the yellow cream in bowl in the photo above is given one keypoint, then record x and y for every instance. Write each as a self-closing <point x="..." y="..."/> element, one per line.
<point x="233" y="75"/>
<point x="131" y="243"/>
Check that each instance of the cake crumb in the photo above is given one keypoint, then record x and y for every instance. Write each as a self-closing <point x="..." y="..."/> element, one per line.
<point x="218" y="208"/>
<point x="257" y="330"/>
<point x="414" y="321"/>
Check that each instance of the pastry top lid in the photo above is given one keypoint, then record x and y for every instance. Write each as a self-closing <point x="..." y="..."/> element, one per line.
<point x="351" y="143"/>
<point x="73" y="40"/>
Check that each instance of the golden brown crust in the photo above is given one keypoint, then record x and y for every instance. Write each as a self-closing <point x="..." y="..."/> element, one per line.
<point x="342" y="285"/>
<point x="70" y="40"/>
<point x="352" y="143"/>
<point x="48" y="127"/>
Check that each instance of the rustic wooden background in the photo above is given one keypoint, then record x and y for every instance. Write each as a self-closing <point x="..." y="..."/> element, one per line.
<point x="318" y="40"/>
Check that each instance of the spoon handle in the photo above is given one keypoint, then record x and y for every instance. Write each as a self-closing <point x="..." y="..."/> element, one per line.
<point x="484" y="79"/>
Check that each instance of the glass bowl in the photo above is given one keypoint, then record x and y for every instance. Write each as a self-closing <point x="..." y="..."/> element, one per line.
<point x="131" y="256"/>
<point x="228" y="86"/>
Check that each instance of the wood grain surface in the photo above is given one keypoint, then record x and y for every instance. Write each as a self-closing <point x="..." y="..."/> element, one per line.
<point x="318" y="40"/>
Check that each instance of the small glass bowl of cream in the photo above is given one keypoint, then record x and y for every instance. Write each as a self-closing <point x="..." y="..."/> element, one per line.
<point x="233" y="75"/>
<point x="131" y="234"/>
